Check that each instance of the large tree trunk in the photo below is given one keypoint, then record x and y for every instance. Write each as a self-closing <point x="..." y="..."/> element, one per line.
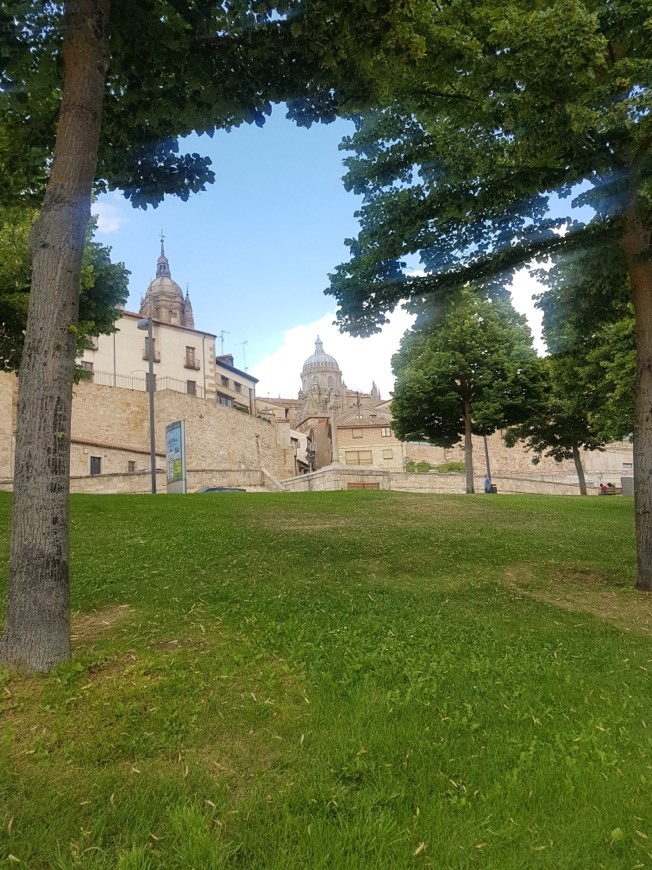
<point x="635" y="242"/>
<point x="578" y="468"/>
<point x="37" y="633"/>
<point x="468" y="448"/>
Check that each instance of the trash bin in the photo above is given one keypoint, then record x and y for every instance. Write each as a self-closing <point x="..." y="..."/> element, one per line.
<point x="493" y="489"/>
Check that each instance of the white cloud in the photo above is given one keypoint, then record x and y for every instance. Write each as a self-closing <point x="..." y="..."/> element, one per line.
<point x="361" y="360"/>
<point x="110" y="216"/>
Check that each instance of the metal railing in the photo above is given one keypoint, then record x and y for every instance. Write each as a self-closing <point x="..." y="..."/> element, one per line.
<point x="139" y="383"/>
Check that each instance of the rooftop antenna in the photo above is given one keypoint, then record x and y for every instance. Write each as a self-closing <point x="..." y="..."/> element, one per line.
<point x="222" y="334"/>
<point x="244" y="356"/>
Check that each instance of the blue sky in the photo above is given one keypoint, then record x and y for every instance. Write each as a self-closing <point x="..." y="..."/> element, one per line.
<point x="256" y="248"/>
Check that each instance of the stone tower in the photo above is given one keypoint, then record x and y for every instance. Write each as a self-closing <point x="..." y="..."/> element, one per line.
<point x="164" y="299"/>
<point x="321" y="372"/>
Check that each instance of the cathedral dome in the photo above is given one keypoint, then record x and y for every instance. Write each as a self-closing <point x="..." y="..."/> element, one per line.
<point x="164" y="299"/>
<point x="320" y="359"/>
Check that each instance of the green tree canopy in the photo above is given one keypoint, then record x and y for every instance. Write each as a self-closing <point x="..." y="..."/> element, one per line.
<point x="471" y="370"/>
<point x="588" y="327"/>
<point x="183" y="66"/>
<point x="588" y="324"/>
<point x="103" y="286"/>
<point x="561" y="425"/>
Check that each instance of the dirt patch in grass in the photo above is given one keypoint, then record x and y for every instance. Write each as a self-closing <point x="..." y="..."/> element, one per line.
<point x="586" y="592"/>
<point x="86" y="626"/>
<point x="365" y="512"/>
<point x="311" y="523"/>
<point x="177" y="643"/>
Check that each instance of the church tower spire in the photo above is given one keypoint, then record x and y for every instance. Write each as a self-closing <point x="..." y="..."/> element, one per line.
<point x="164" y="299"/>
<point x="188" y="319"/>
<point x="162" y="264"/>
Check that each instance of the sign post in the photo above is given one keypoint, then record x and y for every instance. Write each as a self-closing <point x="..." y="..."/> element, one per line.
<point x="175" y="447"/>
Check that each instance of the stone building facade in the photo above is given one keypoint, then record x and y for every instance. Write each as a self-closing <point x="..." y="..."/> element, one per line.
<point x="353" y="429"/>
<point x="110" y="445"/>
<point x="184" y="357"/>
<point x="343" y="436"/>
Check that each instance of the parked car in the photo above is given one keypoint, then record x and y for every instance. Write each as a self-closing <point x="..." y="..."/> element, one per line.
<point x="222" y="489"/>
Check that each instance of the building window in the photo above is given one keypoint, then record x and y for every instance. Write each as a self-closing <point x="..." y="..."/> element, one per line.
<point x="191" y="388"/>
<point x="225" y="381"/>
<point x="96" y="465"/>
<point x="87" y="369"/>
<point x="191" y="362"/>
<point x="627" y="465"/>
<point x="237" y="387"/>
<point x="131" y="466"/>
<point x="386" y="432"/>
<point x="356" y="433"/>
<point x="388" y="453"/>
<point x="155" y="356"/>
<point x="227" y="401"/>
<point x="358" y="457"/>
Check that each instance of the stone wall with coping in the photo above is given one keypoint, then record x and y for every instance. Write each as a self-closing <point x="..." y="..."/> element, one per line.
<point x="339" y="477"/>
<point x="615" y="460"/>
<point x="220" y="437"/>
<point x="140" y="482"/>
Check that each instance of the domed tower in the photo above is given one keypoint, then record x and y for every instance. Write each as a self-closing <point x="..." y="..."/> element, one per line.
<point x="164" y="299"/>
<point x="321" y="372"/>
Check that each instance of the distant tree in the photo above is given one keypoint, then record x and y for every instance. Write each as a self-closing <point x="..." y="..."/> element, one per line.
<point x="472" y="370"/>
<point x="610" y="367"/>
<point x="588" y="322"/>
<point x="519" y="102"/>
<point x="104" y="286"/>
<point x="588" y="326"/>
<point x="560" y="427"/>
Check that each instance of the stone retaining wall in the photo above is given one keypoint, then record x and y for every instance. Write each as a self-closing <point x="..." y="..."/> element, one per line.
<point x="339" y="477"/>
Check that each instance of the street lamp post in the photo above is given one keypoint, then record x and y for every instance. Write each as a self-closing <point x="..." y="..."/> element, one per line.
<point x="486" y="459"/>
<point x="146" y="323"/>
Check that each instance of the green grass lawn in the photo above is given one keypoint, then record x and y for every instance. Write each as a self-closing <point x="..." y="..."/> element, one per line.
<point x="338" y="680"/>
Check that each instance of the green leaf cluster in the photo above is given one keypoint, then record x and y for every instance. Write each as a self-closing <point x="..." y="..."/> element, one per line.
<point x="182" y="66"/>
<point x="104" y="286"/>
<point x="518" y="103"/>
<point x="588" y="325"/>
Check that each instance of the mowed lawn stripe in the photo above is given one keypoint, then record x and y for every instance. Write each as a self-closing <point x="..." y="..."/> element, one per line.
<point x="338" y="680"/>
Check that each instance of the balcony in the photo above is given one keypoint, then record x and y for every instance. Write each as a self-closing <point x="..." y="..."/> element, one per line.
<point x="157" y="355"/>
<point x="191" y="364"/>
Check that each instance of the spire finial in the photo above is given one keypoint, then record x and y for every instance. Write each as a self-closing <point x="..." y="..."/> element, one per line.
<point x="162" y="264"/>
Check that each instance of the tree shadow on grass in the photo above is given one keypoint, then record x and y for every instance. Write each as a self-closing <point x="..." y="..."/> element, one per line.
<point x="586" y="592"/>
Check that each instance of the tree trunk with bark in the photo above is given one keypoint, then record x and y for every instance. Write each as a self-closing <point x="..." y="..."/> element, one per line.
<point x="635" y="243"/>
<point x="468" y="448"/>
<point x="37" y="629"/>
<point x="579" y="469"/>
